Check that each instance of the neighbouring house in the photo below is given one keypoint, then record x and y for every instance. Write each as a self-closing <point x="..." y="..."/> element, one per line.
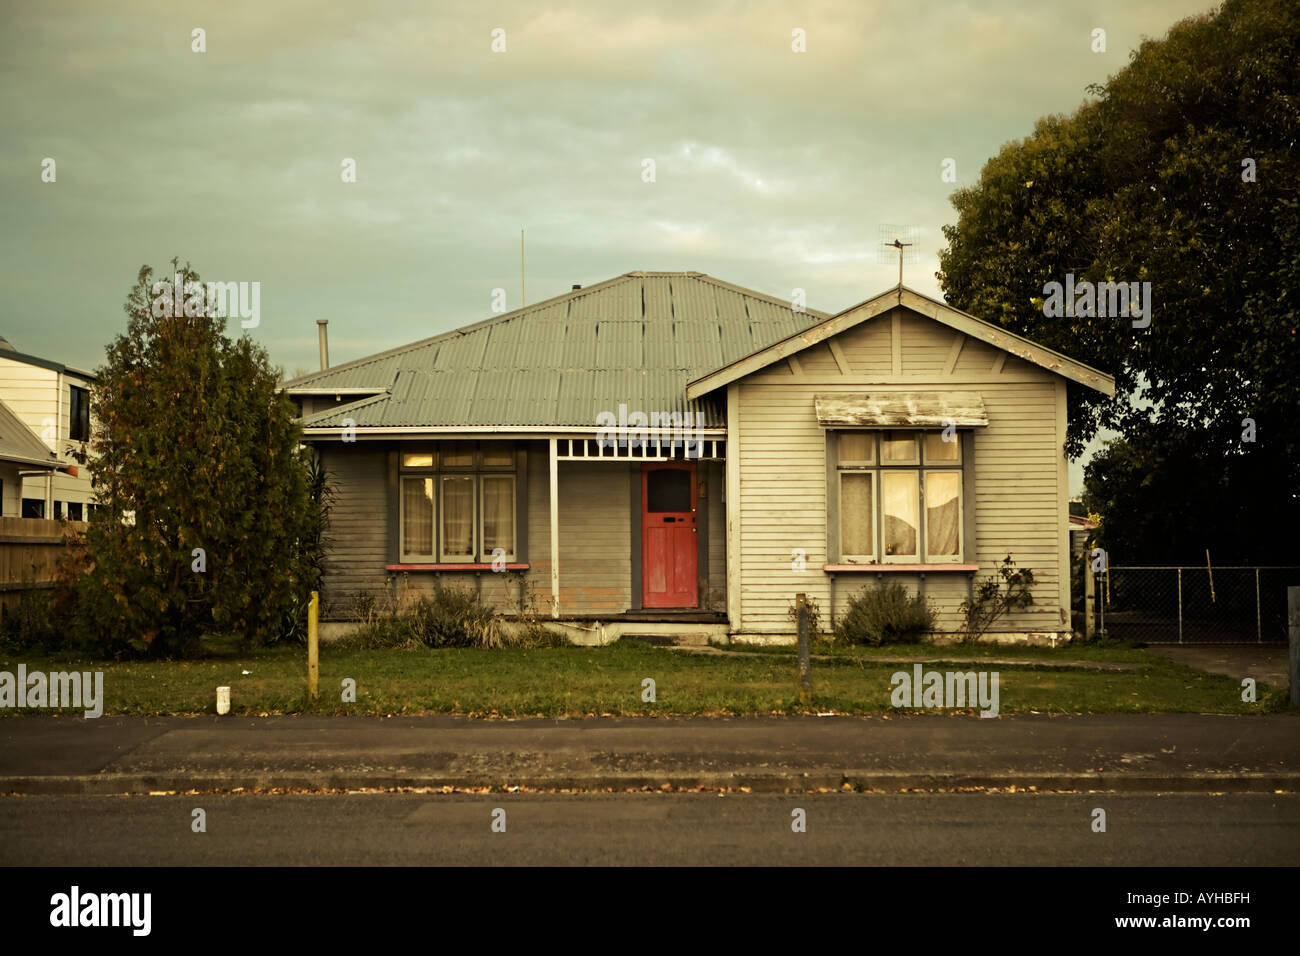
<point x="53" y="401"/>
<point x="1079" y="526"/>
<point x="546" y="455"/>
<point x="29" y="549"/>
<point x="22" y="455"/>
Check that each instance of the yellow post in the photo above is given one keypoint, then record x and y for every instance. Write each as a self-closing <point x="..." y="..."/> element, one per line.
<point x="313" y="647"/>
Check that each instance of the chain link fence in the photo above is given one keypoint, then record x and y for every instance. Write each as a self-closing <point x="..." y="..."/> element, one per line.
<point x="1194" y="605"/>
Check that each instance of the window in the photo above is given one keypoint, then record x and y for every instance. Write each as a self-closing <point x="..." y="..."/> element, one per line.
<point x="457" y="503"/>
<point x="899" y="496"/>
<point x="457" y="531"/>
<point x="33" y="508"/>
<point x="75" y="511"/>
<point x="498" y="521"/>
<point x="417" y="516"/>
<point x="78" y="414"/>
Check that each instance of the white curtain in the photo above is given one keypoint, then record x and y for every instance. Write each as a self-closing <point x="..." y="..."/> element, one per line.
<point x="856" y="507"/>
<point x="417" y="516"/>
<point x="901" y="507"/>
<point x="498" y="514"/>
<point x="457" y="516"/>
<point x="942" y="512"/>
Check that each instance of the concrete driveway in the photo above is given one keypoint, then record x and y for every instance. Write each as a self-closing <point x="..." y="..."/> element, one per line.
<point x="1267" y="663"/>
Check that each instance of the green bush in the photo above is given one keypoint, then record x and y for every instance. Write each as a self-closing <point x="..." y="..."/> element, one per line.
<point x="452" y="617"/>
<point x="885" y="615"/>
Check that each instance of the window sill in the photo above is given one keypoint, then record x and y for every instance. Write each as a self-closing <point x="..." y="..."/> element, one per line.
<point x="454" y="567"/>
<point x="891" y="568"/>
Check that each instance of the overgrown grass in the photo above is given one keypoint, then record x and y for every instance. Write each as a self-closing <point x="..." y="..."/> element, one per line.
<point x="577" y="681"/>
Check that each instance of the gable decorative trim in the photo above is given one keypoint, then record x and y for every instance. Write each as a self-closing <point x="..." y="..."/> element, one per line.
<point x="884" y="304"/>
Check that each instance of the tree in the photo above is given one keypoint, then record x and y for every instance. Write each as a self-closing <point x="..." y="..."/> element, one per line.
<point x="1179" y="173"/>
<point x="1166" y="495"/>
<point x="206" y="515"/>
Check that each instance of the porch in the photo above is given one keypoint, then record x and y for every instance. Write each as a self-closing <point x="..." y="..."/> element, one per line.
<point x="603" y="537"/>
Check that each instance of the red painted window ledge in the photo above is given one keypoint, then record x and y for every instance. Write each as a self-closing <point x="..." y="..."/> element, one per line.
<point x="453" y="567"/>
<point x="889" y="568"/>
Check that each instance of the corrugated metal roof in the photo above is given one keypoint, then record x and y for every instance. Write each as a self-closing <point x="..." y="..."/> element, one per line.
<point x="636" y="340"/>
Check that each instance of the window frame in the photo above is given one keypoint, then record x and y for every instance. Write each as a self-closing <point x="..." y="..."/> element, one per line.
<point x="961" y="515"/>
<point x="78" y="422"/>
<point x="438" y="471"/>
<point x="412" y="556"/>
<point x="912" y="557"/>
<point x="512" y="555"/>
<point x="454" y="557"/>
<point x="920" y="468"/>
<point x="873" y="473"/>
<point x="917" y="442"/>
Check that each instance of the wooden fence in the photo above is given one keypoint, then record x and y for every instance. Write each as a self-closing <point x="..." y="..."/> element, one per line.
<point x="29" y="554"/>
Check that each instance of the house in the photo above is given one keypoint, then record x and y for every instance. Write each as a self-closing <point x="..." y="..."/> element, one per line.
<point x="29" y="549"/>
<point x="53" y="401"/>
<point x="1079" y="527"/>
<point x="898" y="440"/>
<point x="22" y="455"/>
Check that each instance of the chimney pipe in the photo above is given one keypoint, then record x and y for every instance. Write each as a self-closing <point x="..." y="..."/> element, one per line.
<point x="324" y="343"/>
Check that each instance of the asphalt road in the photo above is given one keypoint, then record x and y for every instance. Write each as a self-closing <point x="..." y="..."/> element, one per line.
<point x="859" y="829"/>
<point x="1150" y="753"/>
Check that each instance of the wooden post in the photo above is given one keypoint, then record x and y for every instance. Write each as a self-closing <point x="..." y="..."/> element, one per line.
<point x="1103" y="593"/>
<point x="1089" y="596"/>
<point x="805" y="664"/>
<point x="1293" y="620"/>
<point x="313" y="647"/>
<point x="555" y="530"/>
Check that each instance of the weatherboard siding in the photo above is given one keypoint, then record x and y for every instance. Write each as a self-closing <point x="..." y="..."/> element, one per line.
<point x="357" y="537"/>
<point x="715" y="474"/>
<point x="595" y="528"/>
<point x="32" y="393"/>
<point x="1018" y="500"/>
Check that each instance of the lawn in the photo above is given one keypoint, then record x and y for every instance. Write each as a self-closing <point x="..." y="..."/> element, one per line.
<point x="576" y="681"/>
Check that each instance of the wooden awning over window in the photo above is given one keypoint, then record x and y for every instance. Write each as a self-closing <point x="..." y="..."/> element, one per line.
<point x="901" y="409"/>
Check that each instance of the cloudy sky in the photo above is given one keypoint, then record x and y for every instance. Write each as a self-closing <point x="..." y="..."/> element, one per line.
<point x="773" y="169"/>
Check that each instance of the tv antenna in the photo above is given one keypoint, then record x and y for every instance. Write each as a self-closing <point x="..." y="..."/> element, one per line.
<point x="898" y="241"/>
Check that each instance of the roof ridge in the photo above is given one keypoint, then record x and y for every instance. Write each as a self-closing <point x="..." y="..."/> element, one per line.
<point x="569" y="297"/>
<point x="461" y="330"/>
<point x="762" y="296"/>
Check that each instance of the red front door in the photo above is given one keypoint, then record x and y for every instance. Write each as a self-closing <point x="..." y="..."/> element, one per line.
<point x="669" y="537"/>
